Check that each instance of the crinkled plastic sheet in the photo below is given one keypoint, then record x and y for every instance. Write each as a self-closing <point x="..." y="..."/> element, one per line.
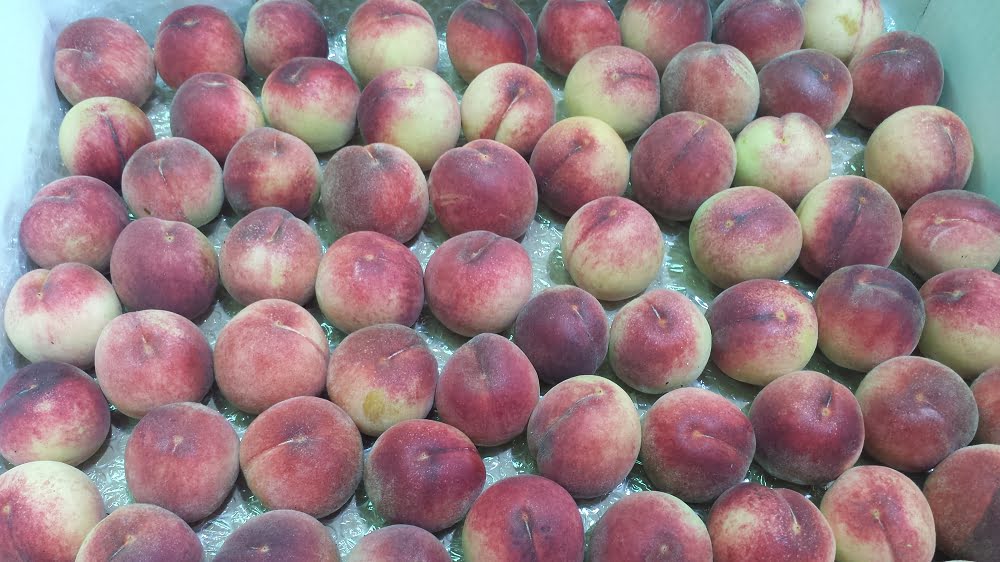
<point x="358" y="517"/>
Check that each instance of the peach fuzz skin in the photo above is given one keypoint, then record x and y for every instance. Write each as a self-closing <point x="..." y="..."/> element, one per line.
<point x="97" y="57"/>
<point x="964" y="495"/>
<point x="269" y="168"/>
<point x="951" y="229"/>
<point x="717" y="81"/>
<point x="761" y="30"/>
<point x="485" y="33"/>
<point x="807" y="81"/>
<point x="397" y="542"/>
<point x="569" y="29"/>
<point x="986" y="390"/>
<point x="842" y="27"/>
<point x="196" y="39"/>
<point x="509" y="103"/>
<point x="141" y="532"/>
<point x="962" y="328"/>
<point x="647" y="526"/>
<point x="384" y="35"/>
<point x="660" y="29"/>
<point x="279" y="535"/>
<point x="280" y="30"/>
<point x="214" y="110"/>
<point x="99" y="135"/>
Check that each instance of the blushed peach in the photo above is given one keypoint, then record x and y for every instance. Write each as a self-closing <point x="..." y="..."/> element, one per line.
<point x="196" y="39"/>
<point x="761" y="30"/>
<point x="964" y="495"/>
<point x="659" y="29"/>
<point x="649" y="525"/>
<point x="809" y="81"/>
<point x="395" y="542"/>
<point x="279" y="535"/>
<point x="616" y="85"/>
<point x="384" y="35"/>
<point x="485" y="33"/>
<point x="280" y="30"/>
<point x="962" y="328"/>
<point x="986" y="390"/>
<point x="141" y="532"/>
<point x="98" y="136"/>
<point x="569" y="29"/>
<point x="951" y="229"/>
<point x="509" y="103"/>
<point x="717" y="81"/>
<point x="842" y="27"/>
<point x="269" y="168"/>
<point x="214" y="110"/>
<point x="96" y="57"/>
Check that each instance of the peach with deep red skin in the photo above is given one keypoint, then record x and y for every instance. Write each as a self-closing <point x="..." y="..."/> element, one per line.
<point x="744" y="233"/>
<point x="269" y="168"/>
<point x="58" y="314"/>
<point x="717" y="81"/>
<point x="485" y="33"/>
<point x="173" y="179"/>
<point x="897" y="70"/>
<point x="808" y="81"/>
<point x="141" y="532"/>
<point x="276" y="536"/>
<point x="753" y="522"/>
<point x="98" y="136"/>
<point x="679" y="162"/>
<point x="477" y="282"/>
<point x="487" y="389"/>
<point x="842" y="27"/>
<point x="877" y="513"/>
<point x="73" y="219"/>
<point x="407" y="465"/>
<point x="49" y="507"/>
<point x="32" y="429"/>
<point x="398" y="542"/>
<point x="509" y="103"/>
<point x="270" y="254"/>
<point x="650" y="526"/>
<point x="964" y="495"/>
<point x="366" y="278"/>
<point x="696" y="444"/>
<point x="314" y="99"/>
<point x="809" y="428"/>
<point x="617" y="85"/>
<point x="962" y="328"/>
<point x="382" y="376"/>
<point x="149" y="358"/>
<point x="214" y="110"/>
<point x="563" y="331"/>
<point x="919" y="150"/>
<point x="951" y="229"/>
<point x="578" y="160"/>
<point x="572" y="422"/>
<point x="848" y="220"/>
<point x="659" y="341"/>
<point x="254" y="350"/>
<point x="281" y="451"/>
<point x="986" y="390"/>
<point x="183" y="457"/>
<point x="523" y="517"/>
<point x="281" y="30"/>
<point x="761" y="30"/>
<point x="164" y="265"/>
<point x="569" y="29"/>
<point x="196" y="39"/>
<point x="384" y="35"/>
<point x="762" y="329"/>
<point x="660" y="29"/>
<point x="97" y="57"/>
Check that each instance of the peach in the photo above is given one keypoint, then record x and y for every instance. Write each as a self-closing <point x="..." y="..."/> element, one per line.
<point x="97" y="57"/>
<point x="378" y="187"/>
<point x="617" y="85"/>
<point x="647" y="526"/>
<point x="919" y="150"/>
<point x="964" y="495"/>
<point x="381" y="376"/>
<point x="52" y="412"/>
<point x="214" y="110"/>
<point x="584" y="434"/>
<point x="280" y="449"/>
<point x="787" y="155"/>
<point x="842" y="27"/>
<point x="279" y="535"/>
<point x="487" y="390"/>
<point x="809" y="81"/>
<point x="761" y="30"/>
<point x="752" y="522"/>
<point x="569" y="29"/>
<point x="659" y="342"/>
<point x="744" y="233"/>
<point x="986" y="390"/>
<point x="98" y="136"/>
<point x="269" y="168"/>
<point x="717" y="81"/>
<point x="73" y="219"/>
<point x="523" y="517"/>
<point x="485" y="33"/>
<point x="484" y="185"/>
<point x="164" y="265"/>
<point x="579" y="160"/>
<point x="270" y="254"/>
<point x="809" y="428"/>
<point x="407" y="465"/>
<point x="384" y="35"/>
<point x="899" y="69"/>
<point x="183" y="457"/>
<point x="509" y="103"/>
<point x="173" y="179"/>
<point x="48" y="509"/>
<point x="563" y="331"/>
<point x="255" y="349"/>
<point x="761" y="329"/>
<point x="951" y="229"/>
<point x="848" y="220"/>
<point x="660" y="29"/>
<point x="477" y="282"/>
<point x="58" y="314"/>
<point x="695" y="444"/>
<point x="962" y="329"/>
<point x="141" y="532"/>
<point x="280" y="30"/>
<point x="314" y="99"/>
<point x="398" y="542"/>
<point x="679" y="162"/>
<point x="412" y="108"/>
<point x="877" y="513"/>
<point x="366" y="278"/>
<point x="149" y="358"/>
<point x="196" y="39"/>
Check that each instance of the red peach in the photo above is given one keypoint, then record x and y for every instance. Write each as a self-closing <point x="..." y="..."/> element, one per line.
<point x="964" y="495"/>
<point x="141" y="532"/>
<point x="485" y="33"/>
<point x="717" y="81"/>
<point x="569" y="29"/>
<point x="761" y="30"/>
<point x="842" y="27"/>
<point x="808" y="81"/>
<point x="398" y="542"/>
<point x="280" y="30"/>
<point x="616" y="85"/>
<point x="660" y="29"/>
<point x="96" y="57"/>
<point x="196" y="39"/>
<point x="650" y="526"/>
<point x="986" y="390"/>
<point x="269" y="168"/>
<point x="384" y="35"/>
<point x="509" y="103"/>
<point x="963" y="327"/>
<point x="98" y="136"/>
<point x="214" y="110"/>
<point x="951" y="229"/>
<point x="279" y="535"/>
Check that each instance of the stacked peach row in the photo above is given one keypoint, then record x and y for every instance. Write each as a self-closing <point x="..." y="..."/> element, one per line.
<point x="751" y="109"/>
